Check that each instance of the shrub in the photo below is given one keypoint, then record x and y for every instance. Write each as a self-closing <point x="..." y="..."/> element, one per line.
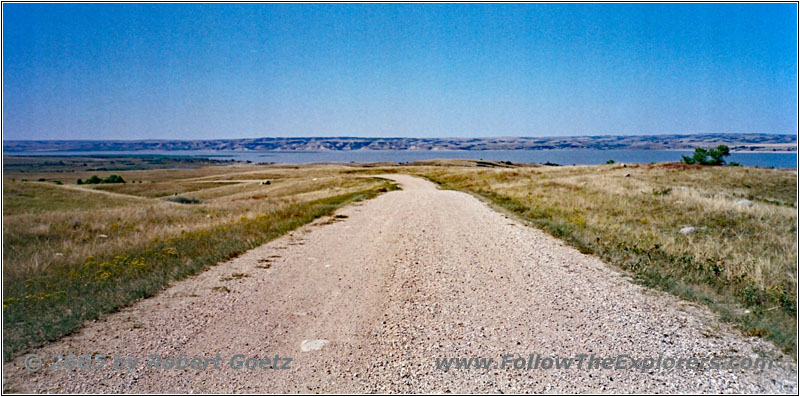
<point x="707" y="156"/>
<point x="183" y="200"/>
<point x="96" y="180"/>
<point x="114" y="179"/>
<point x="93" y="180"/>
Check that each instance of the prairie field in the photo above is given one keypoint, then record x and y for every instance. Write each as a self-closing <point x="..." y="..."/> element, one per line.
<point x="740" y="259"/>
<point x="73" y="252"/>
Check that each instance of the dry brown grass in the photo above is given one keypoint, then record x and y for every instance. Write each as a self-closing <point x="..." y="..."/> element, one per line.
<point x="740" y="258"/>
<point x="72" y="252"/>
<point x="47" y="224"/>
<point x="741" y="262"/>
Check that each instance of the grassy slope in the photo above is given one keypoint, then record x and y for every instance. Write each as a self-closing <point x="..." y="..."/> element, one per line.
<point x="160" y="189"/>
<point x="42" y="197"/>
<point x="72" y="255"/>
<point x="741" y="262"/>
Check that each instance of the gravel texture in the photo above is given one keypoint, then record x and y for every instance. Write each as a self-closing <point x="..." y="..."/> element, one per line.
<point x="367" y="303"/>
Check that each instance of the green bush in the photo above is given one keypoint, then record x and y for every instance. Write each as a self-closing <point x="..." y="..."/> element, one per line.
<point x="114" y="179"/>
<point x="707" y="156"/>
<point x="94" y="180"/>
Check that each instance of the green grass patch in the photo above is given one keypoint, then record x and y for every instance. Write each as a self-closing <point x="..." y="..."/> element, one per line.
<point x="40" y="197"/>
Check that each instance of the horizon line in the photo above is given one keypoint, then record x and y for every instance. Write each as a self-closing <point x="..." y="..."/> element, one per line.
<point x="396" y="137"/>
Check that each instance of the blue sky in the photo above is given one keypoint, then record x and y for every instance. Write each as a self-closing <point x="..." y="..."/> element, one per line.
<point x="204" y="71"/>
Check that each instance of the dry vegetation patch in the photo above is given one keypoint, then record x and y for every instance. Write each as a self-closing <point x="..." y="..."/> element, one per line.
<point x="72" y="253"/>
<point x="125" y="242"/>
<point x="741" y="260"/>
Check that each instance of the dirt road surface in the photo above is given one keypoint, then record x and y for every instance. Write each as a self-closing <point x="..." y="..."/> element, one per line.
<point x="367" y="301"/>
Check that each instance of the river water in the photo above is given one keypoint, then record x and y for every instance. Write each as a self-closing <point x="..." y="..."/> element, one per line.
<point x="563" y="157"/>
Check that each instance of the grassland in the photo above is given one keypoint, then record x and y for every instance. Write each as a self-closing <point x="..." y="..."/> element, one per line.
<point x="741" y="262"/>
<point x="73" y="252"/>
<point x="62" y="166"/>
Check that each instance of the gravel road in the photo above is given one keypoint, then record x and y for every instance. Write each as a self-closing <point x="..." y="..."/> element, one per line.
<point x="368" y="300"/>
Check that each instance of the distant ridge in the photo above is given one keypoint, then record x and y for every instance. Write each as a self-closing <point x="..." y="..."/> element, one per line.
<point x="737" y="142"/>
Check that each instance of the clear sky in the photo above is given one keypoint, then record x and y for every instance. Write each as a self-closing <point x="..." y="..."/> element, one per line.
<point x="204" y="71"/>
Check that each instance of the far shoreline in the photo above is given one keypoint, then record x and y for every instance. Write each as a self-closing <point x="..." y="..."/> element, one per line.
<point x="766" y="159"/>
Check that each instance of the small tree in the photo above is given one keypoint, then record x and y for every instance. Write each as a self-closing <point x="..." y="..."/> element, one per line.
<point x="93" y="180"/>
<point x="718" y="154"/>
<point x="708" y="156"/>
<point x="114" y="179"/>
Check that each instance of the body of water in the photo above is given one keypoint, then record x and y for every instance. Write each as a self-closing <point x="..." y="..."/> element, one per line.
<point x="564" y="157"/>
